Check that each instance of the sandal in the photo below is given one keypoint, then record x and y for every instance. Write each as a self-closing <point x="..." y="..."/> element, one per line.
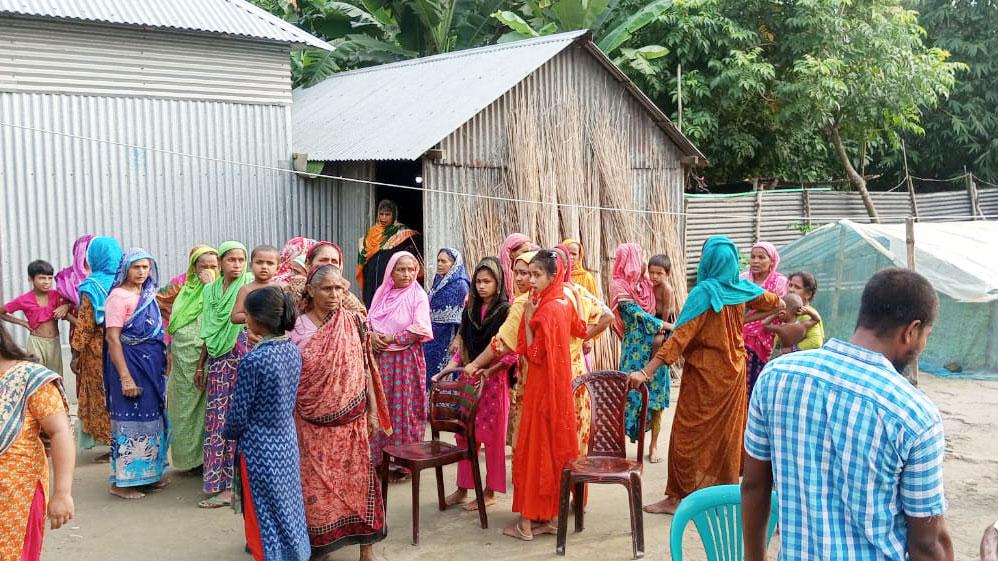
<point x="515" y="531"/>
<point x="214" y="502"/>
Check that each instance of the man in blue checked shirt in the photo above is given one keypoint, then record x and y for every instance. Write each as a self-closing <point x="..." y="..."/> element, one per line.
<point x="854" y="450"/>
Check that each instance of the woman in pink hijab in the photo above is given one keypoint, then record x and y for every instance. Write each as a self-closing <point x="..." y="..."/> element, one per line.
<point x="67" y="281"/>
<point x="400" y="322"/>
<point x="513" y="246"/>
<point x="763" y="262"/>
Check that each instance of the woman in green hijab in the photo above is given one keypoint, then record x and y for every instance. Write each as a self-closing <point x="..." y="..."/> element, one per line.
<point x="185" y="401"/>
<point x="216" y="371"/>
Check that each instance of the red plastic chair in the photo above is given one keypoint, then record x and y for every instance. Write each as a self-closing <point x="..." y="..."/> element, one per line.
<point x="453" y="408"/>
<point x="607" y="460"/>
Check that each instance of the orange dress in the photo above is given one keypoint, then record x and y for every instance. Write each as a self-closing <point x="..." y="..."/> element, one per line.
<point x="88" y="342"/>
<point x="547" y="436"/>
<point x="23" y="466"/>
<point x="707" y="432"/>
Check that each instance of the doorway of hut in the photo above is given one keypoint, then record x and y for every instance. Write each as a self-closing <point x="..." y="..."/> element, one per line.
<point x="408" y="174"/>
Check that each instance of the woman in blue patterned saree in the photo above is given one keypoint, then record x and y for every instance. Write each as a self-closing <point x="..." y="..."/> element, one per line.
<point x="447" y="296"/>
<point x="135" y="378"/>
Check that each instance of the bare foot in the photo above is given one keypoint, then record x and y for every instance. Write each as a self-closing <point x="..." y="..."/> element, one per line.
<point x="161" y="484"/>
<point x="517" y="531"/>
<point x="665" y="506"/>
<point x="126" y="493"/>
<point x="989" y="545"/>
<point x="457" y="497"/>
<point x="490" y="500"/>
<point x="103" y="459"/>
<point x="653" y="457"/>
<point x="397" y="475"/>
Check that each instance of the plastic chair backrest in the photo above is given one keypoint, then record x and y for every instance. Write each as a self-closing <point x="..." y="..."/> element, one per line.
<point x="454" y="404"/>
<point x="717" y="513"/>
<point x="608" y="391"/>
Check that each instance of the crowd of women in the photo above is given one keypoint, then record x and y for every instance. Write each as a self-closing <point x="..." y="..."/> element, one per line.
<point x="262" y="372"/>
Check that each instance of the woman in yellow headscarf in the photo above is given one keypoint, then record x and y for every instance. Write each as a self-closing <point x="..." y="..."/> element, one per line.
<point x="580" y="275"/>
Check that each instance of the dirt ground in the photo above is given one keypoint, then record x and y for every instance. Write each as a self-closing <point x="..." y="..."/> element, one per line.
<point x="167" y="526"/>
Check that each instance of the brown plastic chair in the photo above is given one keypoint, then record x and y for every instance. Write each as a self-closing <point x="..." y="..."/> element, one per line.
<point x="453" y="408"/>
<point x="607" y="460"/>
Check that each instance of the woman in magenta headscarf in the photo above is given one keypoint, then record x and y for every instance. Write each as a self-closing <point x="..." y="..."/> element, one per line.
<point x="67" y="281"/>
<point x="400" y="322"/>
<point x="763" y="263"/>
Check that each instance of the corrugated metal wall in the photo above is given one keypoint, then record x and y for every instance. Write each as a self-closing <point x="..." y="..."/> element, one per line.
<point x="87" y="59"/>
<point x="56" y="188"/>
<point x="475" y="152"/>
<point x="785" y="216"/>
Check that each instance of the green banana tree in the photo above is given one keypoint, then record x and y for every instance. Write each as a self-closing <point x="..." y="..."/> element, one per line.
<point x="613" y="23"/>
<point x="371" y="32"/>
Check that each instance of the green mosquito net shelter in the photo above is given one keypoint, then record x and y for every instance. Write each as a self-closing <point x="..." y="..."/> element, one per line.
<point x="960" y="259"/>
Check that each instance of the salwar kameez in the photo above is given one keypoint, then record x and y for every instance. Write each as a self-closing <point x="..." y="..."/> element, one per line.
<point x="640" y="329"/>
<point x="219" y="452"/>
<point x="404" y="375"/>
<point x="261" y="421"/>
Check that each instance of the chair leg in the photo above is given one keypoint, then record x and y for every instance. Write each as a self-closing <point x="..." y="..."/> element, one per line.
<point x="476" y="473"/>
<point x="563" y="499"/>
<point x="580" y="507"/>
<point x="441" y="500"/>
<point x="415" y="507"/>
<point x="637" y="516"/>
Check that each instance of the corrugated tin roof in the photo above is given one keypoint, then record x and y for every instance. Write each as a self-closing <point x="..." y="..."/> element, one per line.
<point x="226" y="17"/>
<point x="399" y="111"/>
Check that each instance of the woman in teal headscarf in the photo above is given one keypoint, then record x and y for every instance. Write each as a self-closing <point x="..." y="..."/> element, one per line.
<point x="217" y="367"/>
<point x="706" y="444"/>
<point x="185" y="402"/>
<point x="87" y="341"/>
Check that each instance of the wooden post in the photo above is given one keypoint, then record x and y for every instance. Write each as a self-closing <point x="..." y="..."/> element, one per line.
<point x="806" y="196"/>
<point x="757" y="234"/>
<point x="679" y="93"/>
<point x="975" y="203"/>
<point x="909" y="242"/>
<point x="911" y="186"/>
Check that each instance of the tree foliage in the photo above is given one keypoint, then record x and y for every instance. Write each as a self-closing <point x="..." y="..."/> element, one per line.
<point x="963" y="131"/>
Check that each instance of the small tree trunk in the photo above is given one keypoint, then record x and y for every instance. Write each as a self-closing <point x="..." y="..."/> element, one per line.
<point x="854" y="176"/>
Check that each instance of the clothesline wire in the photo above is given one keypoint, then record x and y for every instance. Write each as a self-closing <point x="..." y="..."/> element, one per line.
<point x="429" y="189"/>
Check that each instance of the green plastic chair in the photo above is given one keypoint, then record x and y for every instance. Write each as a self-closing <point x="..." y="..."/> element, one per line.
<point x="717" y="514"/>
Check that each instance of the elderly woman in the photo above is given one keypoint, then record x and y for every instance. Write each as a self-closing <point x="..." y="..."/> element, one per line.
<point x="447" y="297"/>
<point x="400" y="323"/>
<point x="340" y="404"/>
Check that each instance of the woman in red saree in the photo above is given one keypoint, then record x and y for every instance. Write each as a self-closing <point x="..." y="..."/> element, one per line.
<point x="341" y="403"/>
<point x="547" y="435"/>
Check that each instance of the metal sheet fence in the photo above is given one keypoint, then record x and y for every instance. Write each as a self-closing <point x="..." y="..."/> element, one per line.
<point x="781" y="217"/>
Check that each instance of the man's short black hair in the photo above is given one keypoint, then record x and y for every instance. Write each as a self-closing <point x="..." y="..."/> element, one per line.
<point x="40" y="267"/>
<point x="894" y="298"/>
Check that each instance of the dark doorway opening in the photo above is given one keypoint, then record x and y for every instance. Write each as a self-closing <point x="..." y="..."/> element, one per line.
<point x="409" y="197"/>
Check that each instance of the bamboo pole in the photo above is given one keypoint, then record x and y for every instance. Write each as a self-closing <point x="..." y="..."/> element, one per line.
<point x="911" y="186"/>
<point x="909" y="242"/>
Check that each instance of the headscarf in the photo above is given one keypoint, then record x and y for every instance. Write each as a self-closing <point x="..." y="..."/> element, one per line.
<point x="718" y="284"/>
<point x="187" y="307"/>
<point x="580" y="275"/>
<point x="511" y="242"/>
<point x="67" y="281"/>
<point x="629" y="283"/>
<point x="448" y="293"/>
<point x="310" y="255"/>
<point x="476" y="332"/>
<point x="526" y="258"/>
<point x="217" y="329"/>
<point x="378" y="236"/>
<point x="147" y="296"/>
<point x="296" y="246"/>
<point x="104" y="257"/>
<point x="756" y="337"/>
<point x="394" y="310"/>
